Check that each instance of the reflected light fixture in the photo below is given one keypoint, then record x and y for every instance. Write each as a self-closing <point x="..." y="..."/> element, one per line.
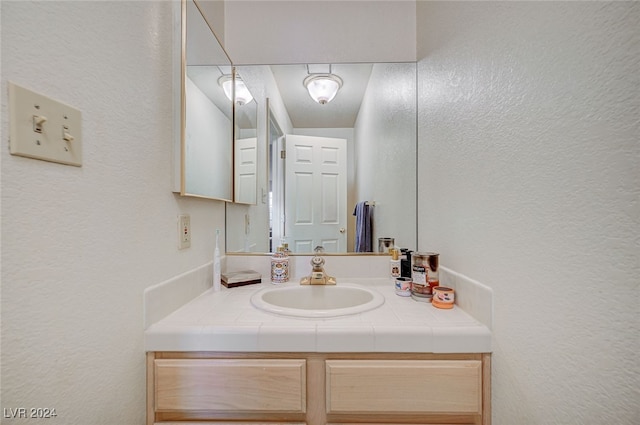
<point x="323" y="87"/>
<point x="243" y="95"/>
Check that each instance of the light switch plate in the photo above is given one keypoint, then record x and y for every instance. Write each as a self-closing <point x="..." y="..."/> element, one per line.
<point x="43" y="128"/>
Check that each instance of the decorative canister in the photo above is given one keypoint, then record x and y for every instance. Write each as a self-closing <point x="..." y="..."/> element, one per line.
<point x="279" y="267"/>
<point x="443" y="297"/>
<point x="385" y="244"/>
<point x="424" y="272"/>
<point x="403" y="286"/>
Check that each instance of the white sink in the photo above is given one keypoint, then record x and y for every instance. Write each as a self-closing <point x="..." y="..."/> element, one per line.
<point x="317" y="301"/>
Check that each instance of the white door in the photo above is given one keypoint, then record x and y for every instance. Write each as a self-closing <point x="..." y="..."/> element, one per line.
<point x="246" y="163"/>
<point x="315" y="193"/>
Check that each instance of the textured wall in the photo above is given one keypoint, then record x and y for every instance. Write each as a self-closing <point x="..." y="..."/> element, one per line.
<point x="313" y="31"/>
<point x="385" y="135"/>
<point x="79" y="245"/>
<point x="530" y="183"/>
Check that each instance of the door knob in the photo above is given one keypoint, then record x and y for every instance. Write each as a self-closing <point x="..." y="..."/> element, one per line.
<point x="342" y="230"/>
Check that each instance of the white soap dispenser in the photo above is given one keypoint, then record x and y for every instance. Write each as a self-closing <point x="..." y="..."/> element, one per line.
<point x="216" y="264"/>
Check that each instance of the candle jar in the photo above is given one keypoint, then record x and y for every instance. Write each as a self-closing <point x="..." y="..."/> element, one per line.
<point x="424" y="273"/>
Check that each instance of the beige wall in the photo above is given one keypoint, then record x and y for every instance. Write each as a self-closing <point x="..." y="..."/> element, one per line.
<point x="79" y="245"/>
<point x="312" y="31"/>
<point x="529" y="183"/>
<point x="385" y="153"/>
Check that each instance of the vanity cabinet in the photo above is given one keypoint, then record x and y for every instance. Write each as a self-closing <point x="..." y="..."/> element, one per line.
<point x="404" y="386"/>
<point x="230" y="385"/>
<point x="317" y="388"/>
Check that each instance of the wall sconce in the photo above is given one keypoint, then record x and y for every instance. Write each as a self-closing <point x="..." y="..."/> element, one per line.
<point x="243" y="95"/>
<point x="322" y="87"/>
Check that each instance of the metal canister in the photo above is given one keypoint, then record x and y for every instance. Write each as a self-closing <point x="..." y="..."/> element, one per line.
<point x="424" y="274"/>
<point x="385" y="244"/>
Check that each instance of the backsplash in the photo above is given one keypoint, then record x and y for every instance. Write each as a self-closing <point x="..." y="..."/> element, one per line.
<point x="168" y="296"/>
<point x="471" y="295"/>
<point x="342" y="266"/>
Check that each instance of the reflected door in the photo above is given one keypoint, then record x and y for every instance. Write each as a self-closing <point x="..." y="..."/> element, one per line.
<point x="246" y="164"/>
<point x="315" y="193"/>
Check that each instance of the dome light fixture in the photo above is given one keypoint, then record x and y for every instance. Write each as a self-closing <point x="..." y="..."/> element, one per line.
<point x="322" y="87"/>
<point x="243" y="95"/>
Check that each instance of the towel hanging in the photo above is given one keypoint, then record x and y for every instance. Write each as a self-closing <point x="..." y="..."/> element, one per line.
<point x="364" y="226"/>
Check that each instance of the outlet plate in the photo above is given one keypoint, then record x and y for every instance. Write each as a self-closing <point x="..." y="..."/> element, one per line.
<point x="184" y="231"/>
<point x="43" y="128"/>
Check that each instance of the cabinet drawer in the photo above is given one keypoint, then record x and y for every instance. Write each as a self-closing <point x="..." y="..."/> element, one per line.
<point x="404" y="386"/>
<point x="228" y="385"/>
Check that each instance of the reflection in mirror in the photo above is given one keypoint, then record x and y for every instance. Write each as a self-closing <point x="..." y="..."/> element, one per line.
<point x="275" y="139"/>
<point x="206" y="126"/>
<point x="245" y="146"/>
<point x="369" y="127"/>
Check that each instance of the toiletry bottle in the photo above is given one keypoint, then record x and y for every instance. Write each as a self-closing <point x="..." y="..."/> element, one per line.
<point x="405" y="262"/>
<point x="216" y="264"/>
<point x="394" y="264"/>
<point x="279" y="266"/>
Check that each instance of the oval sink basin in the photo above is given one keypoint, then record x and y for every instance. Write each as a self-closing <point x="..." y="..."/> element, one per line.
<point x="317" y="301"/>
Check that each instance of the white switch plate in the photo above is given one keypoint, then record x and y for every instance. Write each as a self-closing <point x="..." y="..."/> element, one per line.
<point x="184" y="231"/>
<point x="58" y="138"/>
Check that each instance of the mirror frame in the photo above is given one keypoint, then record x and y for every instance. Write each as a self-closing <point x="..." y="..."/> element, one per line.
<point x="181" y="186"/>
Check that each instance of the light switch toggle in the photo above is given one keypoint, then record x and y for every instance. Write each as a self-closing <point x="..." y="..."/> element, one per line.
<point x="66" y="135"/>
<point x="38" y="120"/>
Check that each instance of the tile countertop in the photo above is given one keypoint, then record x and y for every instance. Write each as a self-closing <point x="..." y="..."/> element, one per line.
<point x="226" y="321"/>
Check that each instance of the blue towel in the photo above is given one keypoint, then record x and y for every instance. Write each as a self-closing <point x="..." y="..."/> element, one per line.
<point x="364" y="227"/>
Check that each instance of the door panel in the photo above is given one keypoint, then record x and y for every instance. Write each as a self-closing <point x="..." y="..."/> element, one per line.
<point x="315" y="193"/>
<point x="246" y="165"/>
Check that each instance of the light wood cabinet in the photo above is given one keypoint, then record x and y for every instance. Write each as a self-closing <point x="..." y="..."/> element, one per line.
<point x="317" y="388"/>
<point x="404" y="386"/>
<point x="230" y="385"/>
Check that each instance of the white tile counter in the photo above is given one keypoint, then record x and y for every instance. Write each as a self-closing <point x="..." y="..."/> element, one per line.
<point x="226" y="321"/>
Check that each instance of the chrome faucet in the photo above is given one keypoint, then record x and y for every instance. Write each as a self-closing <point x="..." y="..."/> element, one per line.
<point x="318" y="276"/>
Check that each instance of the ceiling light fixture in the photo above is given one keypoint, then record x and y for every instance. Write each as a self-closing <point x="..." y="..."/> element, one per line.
<point x="243" y="95"/>
<point x="322" y="87"/>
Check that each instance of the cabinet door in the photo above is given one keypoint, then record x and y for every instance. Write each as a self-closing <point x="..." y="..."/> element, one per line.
<point x="404" y="386"/>
<point x="229" y="385"/>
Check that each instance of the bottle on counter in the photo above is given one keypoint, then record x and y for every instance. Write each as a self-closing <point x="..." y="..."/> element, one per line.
<point x="280" y="266"/>
<point x="394" y="264"/>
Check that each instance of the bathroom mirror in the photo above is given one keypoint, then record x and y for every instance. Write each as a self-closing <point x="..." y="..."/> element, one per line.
<point x="205" y="142"/>
<point x="275" y="179"/>
<point x="245" y="177"/>
<point x="374" y="113"/>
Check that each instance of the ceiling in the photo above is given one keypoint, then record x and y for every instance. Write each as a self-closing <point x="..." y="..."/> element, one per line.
<point x="304" y="112"/>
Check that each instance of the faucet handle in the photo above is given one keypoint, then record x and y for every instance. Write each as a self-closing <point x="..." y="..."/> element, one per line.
<point x="317" y="261"/>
